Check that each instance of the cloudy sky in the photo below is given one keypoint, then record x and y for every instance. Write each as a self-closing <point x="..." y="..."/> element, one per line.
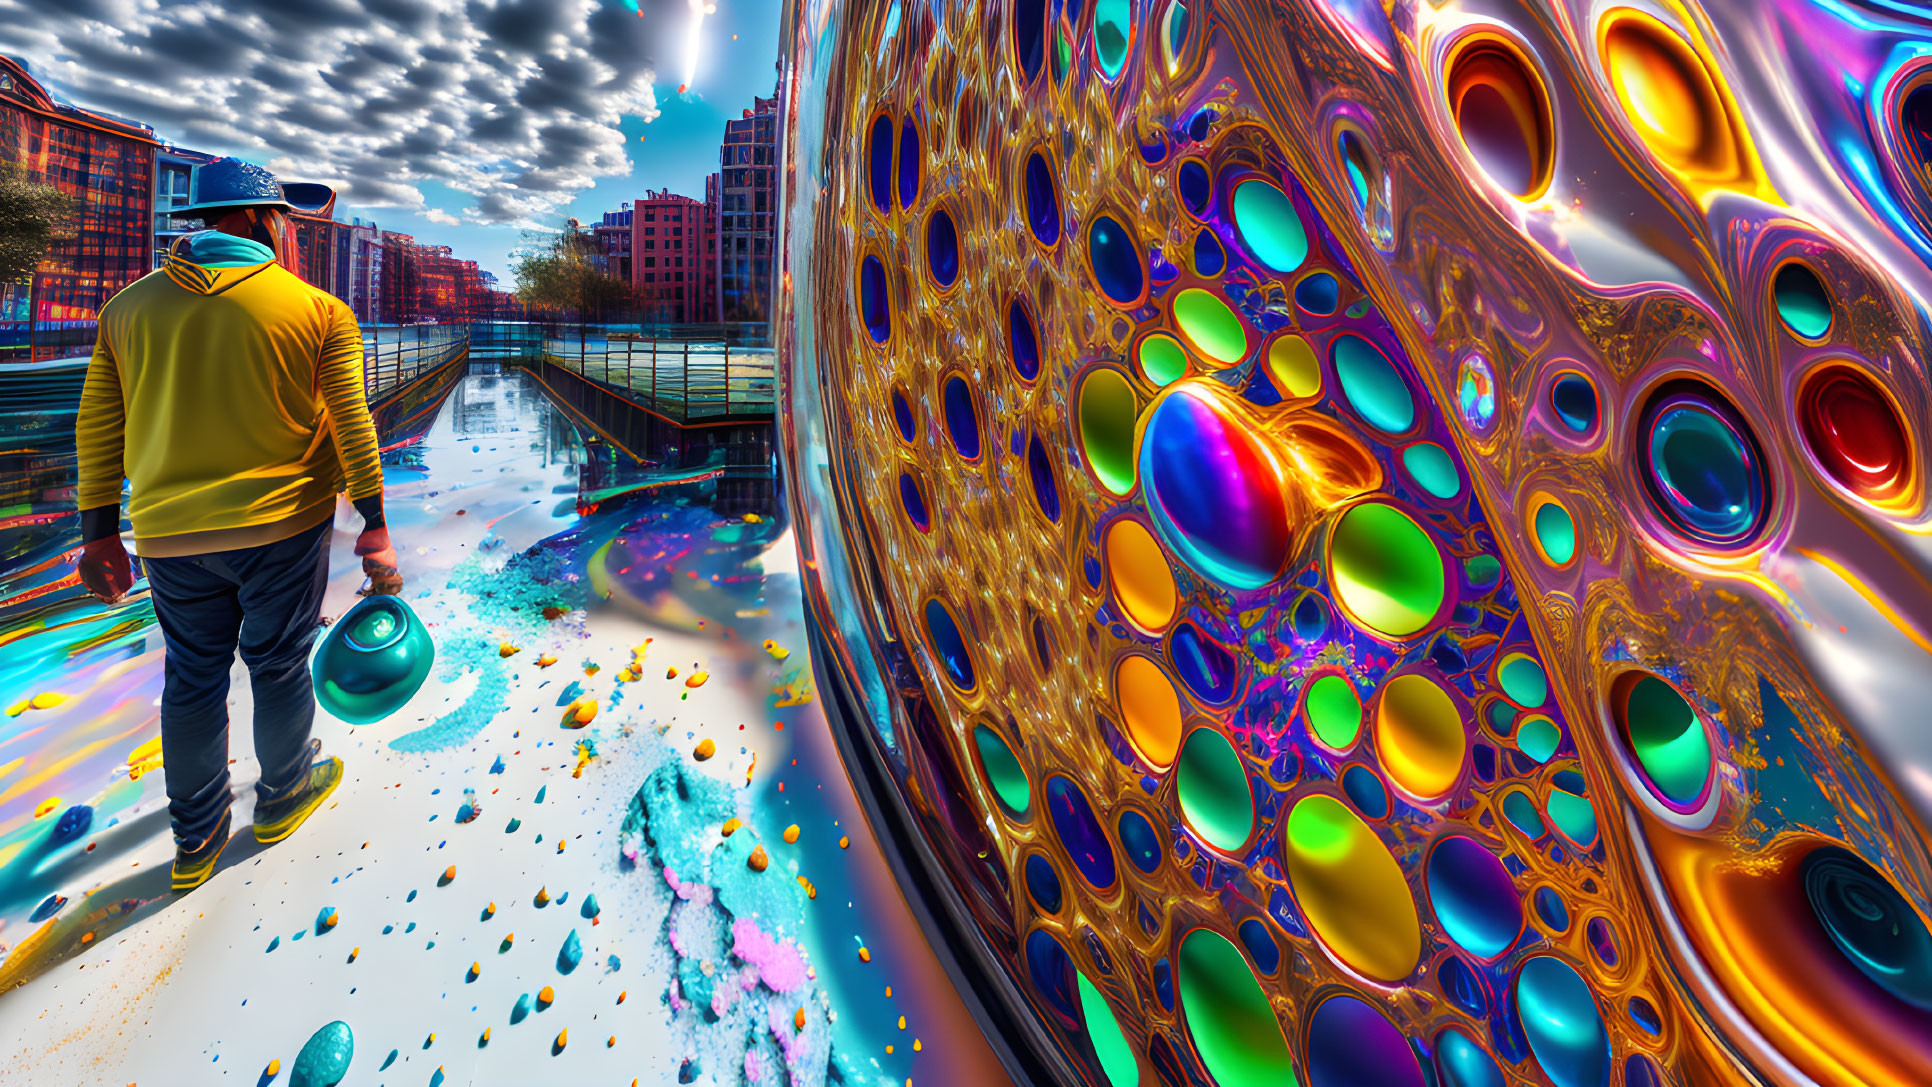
<point x="459" y="121"/>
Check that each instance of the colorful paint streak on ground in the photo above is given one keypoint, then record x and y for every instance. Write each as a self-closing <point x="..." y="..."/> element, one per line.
<point x="508" y="887"/>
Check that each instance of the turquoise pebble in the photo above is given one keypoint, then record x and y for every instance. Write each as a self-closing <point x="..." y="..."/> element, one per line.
<point x="324" y="1058"/>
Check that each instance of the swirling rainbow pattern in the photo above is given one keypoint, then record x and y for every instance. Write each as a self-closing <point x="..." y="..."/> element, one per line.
<point x="1381" y="544"/>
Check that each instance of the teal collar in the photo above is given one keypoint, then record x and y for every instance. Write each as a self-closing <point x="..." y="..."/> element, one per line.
<point x="214" y="250"/>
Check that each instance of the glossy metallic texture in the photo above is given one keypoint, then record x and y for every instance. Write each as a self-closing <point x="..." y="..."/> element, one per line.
<point x="1375" y="544"/>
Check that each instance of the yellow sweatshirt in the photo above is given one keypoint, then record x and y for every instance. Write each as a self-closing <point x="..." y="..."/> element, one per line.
<point x="230" y="395"/>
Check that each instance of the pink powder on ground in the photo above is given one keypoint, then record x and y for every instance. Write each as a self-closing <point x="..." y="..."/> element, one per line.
<point x="781" y="965"/>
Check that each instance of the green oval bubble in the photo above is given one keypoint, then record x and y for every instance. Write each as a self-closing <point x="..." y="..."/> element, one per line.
<point x="1386" y="569"/>
<point x="1117" y="1060"/>
<point x="1555" y="533"/>
<point x="1334" y="711"/>
<point x="1371" y="385"/>
<point x="1107" y="413"/>
<point x="1212" y="786"/>
<point x="1003" y="770"/>
<point x="1482" y="570"/>
<point x="1268" y="225"/>
<point x="1668" y="739"/>
<point x="1211" y="326"/>
<point x="1429" y="465"/>
<point x="1234" y="1028"/>
<point x="1162" y="360"/>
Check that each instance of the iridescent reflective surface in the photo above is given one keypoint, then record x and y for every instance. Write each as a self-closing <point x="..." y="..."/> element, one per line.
<point x="1522" y="407"/>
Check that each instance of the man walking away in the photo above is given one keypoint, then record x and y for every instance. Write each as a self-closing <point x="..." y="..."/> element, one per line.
<point x="228" y="392"/>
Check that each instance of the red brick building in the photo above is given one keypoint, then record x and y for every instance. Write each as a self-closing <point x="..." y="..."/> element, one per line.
<point x="106" y="167"/>
<point x="668" y="264"/>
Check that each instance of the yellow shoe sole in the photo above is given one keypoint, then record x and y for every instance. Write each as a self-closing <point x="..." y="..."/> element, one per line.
<point x="187" y="878"/>
<point x="323" y="778"/>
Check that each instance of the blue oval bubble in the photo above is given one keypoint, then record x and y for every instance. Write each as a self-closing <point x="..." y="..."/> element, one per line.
<point x="1138" y="839"/>
<point x="943" y="634"/>
<point x="1116" y="261"/>
<point x="1080" y="833"/>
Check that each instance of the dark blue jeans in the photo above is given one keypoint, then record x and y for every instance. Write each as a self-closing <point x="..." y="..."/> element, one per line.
<point x="267" y="601"/>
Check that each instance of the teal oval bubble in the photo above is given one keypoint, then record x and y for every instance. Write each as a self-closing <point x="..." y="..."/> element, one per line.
<point x="1429" y="465"/>
<point x="1555" y="533"/>
<point x="1370" y="384"/>
<point x="1523" y="680"/>
<point x="1803" y="304"/>
<point x="1268" y="225"/>
<point x="1460" y="1062"/>
<point x="1570" y="809"/>
<point x="1520" y="810"/>
<point x="1538" y="738"/>
<point x="372" y="661"/>
<point x="1561" y="1022"/>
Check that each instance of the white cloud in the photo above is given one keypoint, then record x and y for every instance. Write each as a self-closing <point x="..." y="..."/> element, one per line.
<point x="513" y="102"/>
<point x="438" y="215"/>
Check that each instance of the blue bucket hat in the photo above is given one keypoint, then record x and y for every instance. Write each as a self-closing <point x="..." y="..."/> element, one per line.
<point x="234" y="183"/>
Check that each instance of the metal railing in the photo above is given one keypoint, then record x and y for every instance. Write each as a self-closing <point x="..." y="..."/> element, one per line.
<point x="395" y="355"/>
<point x="681" y="376"/>
<point x="689" y="373"/>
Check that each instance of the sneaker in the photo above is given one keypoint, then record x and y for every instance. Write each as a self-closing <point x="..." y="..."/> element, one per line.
<point x="278" y="819"/>
<point x="194" y="864"/>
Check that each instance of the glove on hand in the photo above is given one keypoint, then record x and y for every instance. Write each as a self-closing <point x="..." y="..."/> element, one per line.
<point x="379" y="562"/>
<point x="105" y="570"/>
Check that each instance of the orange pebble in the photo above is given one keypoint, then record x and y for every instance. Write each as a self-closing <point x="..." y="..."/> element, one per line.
<point x="621" y="993"/>
<point x="546" y="995"/>
<point x="865" y="955"/>
<point x="696" y="679"/>
<point x="563" y="1037"/>
<point x="758" y="860"/>
<point x="612" y="1042"/>
<point x="450" y="872"/>
<point x="798" y="1019"/>
<point x="730" y="827"/>
<point x="844" y="842"/>
<point x="791" y="833"/>
<point x="810" y="891"/>
<point x="705" y="749"/>
<point x="274" y="1066"/>
<point x="671" y="672"/>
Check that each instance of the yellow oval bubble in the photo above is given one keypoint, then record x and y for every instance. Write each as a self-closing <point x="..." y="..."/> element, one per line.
<point x="1351" y="889"/>
<point x="1143" y="583"/>
<point x="1291" y="362"/>
<point x="1150" y="708"/>
<point x="1419" y="736"/>
<point x="1667" y="94"/>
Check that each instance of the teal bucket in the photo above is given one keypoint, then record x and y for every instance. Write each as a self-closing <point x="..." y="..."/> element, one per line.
<point x="372" y="661"/>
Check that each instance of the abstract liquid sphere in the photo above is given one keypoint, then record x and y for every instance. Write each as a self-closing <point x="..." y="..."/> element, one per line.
<point x="1379" y="543"/>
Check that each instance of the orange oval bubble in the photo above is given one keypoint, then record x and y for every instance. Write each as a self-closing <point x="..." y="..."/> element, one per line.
<point x="1143" y="583"/>
<point x="1150" y="709"/>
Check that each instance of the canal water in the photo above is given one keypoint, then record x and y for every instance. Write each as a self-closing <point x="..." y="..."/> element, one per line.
<point x="481" y="852"/>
